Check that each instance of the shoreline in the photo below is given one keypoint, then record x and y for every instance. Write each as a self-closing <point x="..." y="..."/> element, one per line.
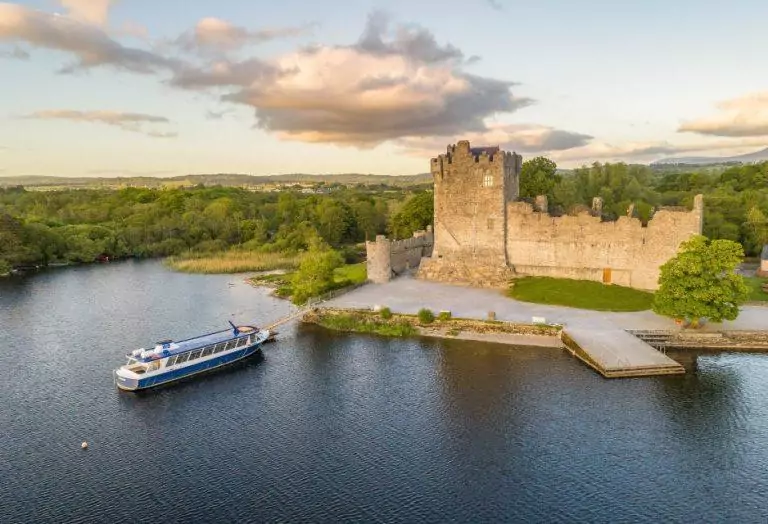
<point x="398" y="325"/>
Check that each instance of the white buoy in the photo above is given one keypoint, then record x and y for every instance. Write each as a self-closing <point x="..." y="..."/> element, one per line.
<point x="84" y="445"/>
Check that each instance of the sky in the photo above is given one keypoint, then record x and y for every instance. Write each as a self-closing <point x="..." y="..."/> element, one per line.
<point x="173" y="87"/>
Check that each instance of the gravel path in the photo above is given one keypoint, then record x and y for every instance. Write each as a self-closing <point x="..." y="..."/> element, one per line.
<point x="407" y="295"/>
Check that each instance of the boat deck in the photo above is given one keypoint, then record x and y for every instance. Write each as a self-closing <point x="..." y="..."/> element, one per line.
<point x="615" y="353"/>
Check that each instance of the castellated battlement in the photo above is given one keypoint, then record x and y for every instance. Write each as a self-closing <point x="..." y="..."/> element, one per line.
<point x="387" y="258"/>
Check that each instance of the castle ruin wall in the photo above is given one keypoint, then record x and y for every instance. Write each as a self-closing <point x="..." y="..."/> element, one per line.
<point x="387" y="258"/>
<point x="584" y="247"/>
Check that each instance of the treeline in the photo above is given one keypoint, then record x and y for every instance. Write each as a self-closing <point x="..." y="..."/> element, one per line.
<point x="735" y="200"/>
<point x="40" y="228"/>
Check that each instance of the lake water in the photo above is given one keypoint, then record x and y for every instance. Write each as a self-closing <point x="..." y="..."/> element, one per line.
<point x="331" y="428"/>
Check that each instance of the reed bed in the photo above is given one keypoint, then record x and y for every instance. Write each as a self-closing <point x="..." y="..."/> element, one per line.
<point x="233" y="262"/>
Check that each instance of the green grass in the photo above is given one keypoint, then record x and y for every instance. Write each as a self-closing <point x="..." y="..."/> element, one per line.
<point x="343" y="276"/>
<point x="351" y="274"/>
<point x="582" y="294"/>
<point x="756" y="294"/>
<point x="363" y="324"/>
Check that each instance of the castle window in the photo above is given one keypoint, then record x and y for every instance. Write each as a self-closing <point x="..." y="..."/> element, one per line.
<point x="488" y="181"/>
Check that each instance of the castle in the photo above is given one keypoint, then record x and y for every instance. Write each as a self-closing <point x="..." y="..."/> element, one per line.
<point x="485" y="236"/>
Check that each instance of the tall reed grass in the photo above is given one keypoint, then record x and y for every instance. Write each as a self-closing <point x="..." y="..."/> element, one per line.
<point x="233" y="262"/>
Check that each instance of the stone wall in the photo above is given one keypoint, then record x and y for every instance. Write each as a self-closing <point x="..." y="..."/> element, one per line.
<point x="472" y="187"/>
<point x="485" y="237"/>
<point x="584" y="247"/>
<point x="387" y="258"/>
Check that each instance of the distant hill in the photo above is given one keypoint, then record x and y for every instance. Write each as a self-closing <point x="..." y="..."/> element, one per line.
<point x="750" y="158"/>
<point x="223" y="179"/>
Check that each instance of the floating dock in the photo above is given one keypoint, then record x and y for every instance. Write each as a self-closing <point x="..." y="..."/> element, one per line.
<point x="614" y="353"/>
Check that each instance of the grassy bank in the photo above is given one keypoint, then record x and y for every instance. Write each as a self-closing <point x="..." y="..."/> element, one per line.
<point x="233" y="262"/>
<point x="756" y="293"/>
<point x="358" y="322"/>
<point x="346" y="275"/>
<point x="582" y="294"/>
<point x="401" y="325"/>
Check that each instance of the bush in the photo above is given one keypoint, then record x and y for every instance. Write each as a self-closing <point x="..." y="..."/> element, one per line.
<point x="444" y="315"/>
<point x="386" y="313"/>
<point x="5" y="267"/>
<point x="426" y="316"/>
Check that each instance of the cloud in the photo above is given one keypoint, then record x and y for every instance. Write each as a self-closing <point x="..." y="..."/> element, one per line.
<point x="90" y="45"/>
<point x="220" y="35"/>
<point x="408" y="41"/>
<point x="134" y="122"/>
<point x="225" y="73"/>
<point x="746" y="116"/>
<point x="495" y="4"/>
<point x="522" y="138"/>
<point x="395" y="81"/>
<point x="217" y="115"/>
<point x="90" y="11"/>
<point x="16" y="53"/>
<point x="647" y="151"/>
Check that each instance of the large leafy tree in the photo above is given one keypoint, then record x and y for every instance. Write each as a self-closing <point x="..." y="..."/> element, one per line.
<point x="538" y="177"/>
<point x="701" y="282"/>
<point x="315" y="273"/>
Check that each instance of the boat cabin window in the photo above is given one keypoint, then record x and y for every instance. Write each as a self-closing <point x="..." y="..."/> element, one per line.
<point x="230" y="344"/>
<point x="207" y="351"/>
<point x="171" y="361"/>
<point x="219" y="347"/>
<point x="194" y="354"/>
<point x="242" y="342"/>
<point x="182" y="358"/>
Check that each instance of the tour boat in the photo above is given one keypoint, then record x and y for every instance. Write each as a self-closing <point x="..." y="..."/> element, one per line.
<point x="169" y="361"/>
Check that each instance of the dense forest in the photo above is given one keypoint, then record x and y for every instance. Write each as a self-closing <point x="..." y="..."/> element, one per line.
<point x="45" y="227"/>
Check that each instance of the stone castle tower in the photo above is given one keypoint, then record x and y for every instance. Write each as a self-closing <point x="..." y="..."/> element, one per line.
<point x="485" y="236"/>
<point x="472" y="189"/>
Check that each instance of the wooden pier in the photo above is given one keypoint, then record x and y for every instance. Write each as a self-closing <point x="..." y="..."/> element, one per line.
<point x="614" y="353"/>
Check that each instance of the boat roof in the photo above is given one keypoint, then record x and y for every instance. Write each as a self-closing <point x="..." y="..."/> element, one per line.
<point x="181" y="346"/>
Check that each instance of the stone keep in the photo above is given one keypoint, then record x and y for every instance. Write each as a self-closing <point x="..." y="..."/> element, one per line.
<point x="485" y="236"/>
<point x="472" y="189"/>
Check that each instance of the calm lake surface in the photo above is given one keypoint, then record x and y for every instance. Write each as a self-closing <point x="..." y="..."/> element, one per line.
<point x="330" y="428"/>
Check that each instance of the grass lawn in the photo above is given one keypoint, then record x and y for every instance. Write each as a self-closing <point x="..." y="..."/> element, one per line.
<point x="756" y="294"/>
<point x="351" y="274"/>
<point x="582" y="294"/>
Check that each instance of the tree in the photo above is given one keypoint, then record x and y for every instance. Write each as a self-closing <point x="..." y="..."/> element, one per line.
<point x="757" y="228"/>
<point x="416" y="214"/>
<point x="701" y="282"/>
<point x="538" y="177"/>
<point x="315" y="273"/>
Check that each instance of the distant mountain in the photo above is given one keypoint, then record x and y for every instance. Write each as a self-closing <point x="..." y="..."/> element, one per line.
<point x="750" y="158"/>
<point x="223" y="179"/>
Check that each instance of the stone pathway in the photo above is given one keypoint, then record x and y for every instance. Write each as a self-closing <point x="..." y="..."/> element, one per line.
<point x="407" y="295"/>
